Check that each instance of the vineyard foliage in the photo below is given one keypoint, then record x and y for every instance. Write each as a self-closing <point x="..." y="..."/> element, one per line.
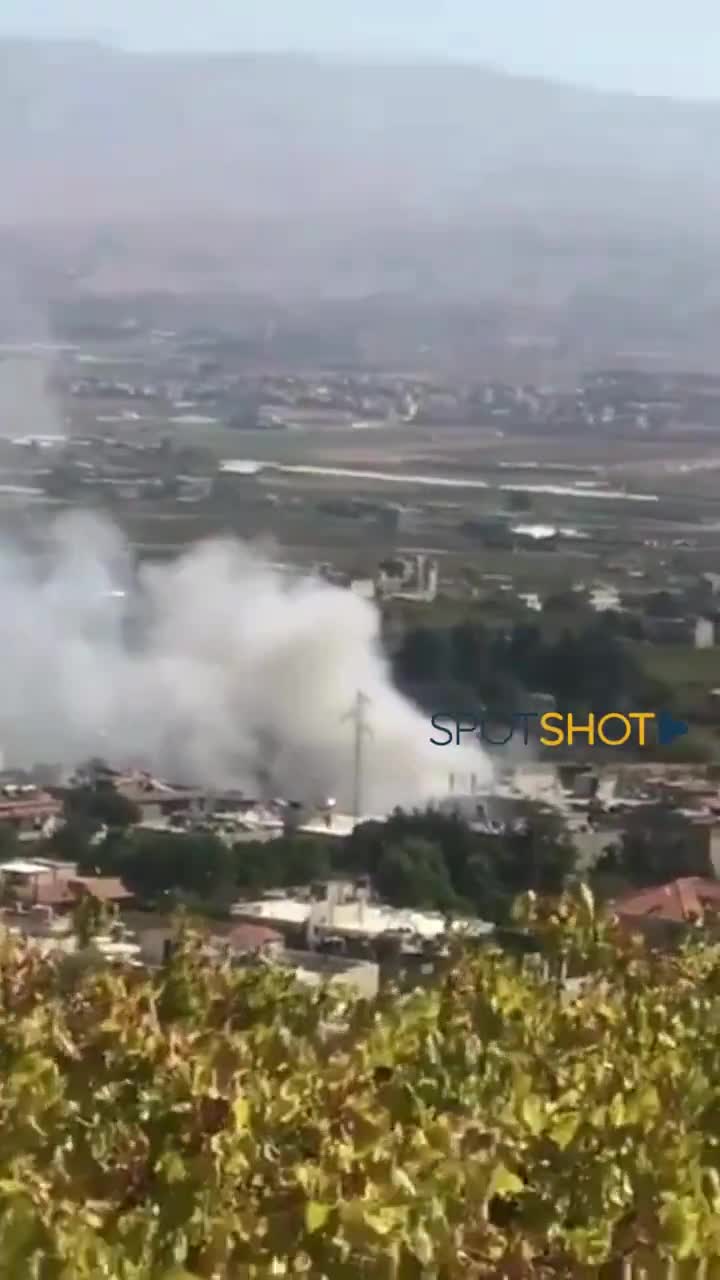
<point x="210" y="1121"/>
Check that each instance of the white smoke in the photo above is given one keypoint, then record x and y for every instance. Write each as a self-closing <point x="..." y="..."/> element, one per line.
<point x="213" y="668"/>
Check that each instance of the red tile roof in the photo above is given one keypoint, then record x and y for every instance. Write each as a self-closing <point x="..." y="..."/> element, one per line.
<point x="61" y="891"/>
<point x="38" y="806"/>
<point x="104" y="888"/>
<point x="250" y="937"/>
<point x="680" y="901"/>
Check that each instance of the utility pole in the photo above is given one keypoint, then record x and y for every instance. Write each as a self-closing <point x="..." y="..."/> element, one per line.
<point x="210" y="803"/>
<point x="362" y="731"/>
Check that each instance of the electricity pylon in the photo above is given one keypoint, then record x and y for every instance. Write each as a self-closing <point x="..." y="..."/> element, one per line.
<point x="362" y="731"/>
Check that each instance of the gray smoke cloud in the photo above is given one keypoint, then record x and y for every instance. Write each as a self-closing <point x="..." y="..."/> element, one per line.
<point x="213" y="668"/>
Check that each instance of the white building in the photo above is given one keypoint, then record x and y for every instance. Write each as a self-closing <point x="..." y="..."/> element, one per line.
<point x="704" y="633"/>
<point x="418" y="580"/>
<point x="531" y="600"/>
<point x="603" y="599"/>
<point x="355" y="919"/>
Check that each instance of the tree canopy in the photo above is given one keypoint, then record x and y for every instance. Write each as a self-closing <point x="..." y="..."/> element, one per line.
<point x="99" y="804"/>
<point x="658" y="844"/>
<point x="424" y="859"/>
<point x="468" y="665"/>
<point x="437" y="860"/>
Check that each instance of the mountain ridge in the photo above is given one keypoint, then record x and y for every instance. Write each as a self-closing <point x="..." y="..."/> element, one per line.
<point x="451" y="177"/>
<point x="367" y="60"/>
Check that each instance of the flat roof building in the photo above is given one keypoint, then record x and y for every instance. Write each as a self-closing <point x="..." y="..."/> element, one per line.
<point x="356" y="919"/>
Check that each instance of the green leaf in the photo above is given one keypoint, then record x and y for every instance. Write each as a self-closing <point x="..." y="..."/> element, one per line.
<point x="504" y="1183"/>
<point x="533" y="1114"/>
<point x="422" y="1246"/>
<point x="381" y="1221"/>
<point x="241" y="1113"/>
<point x="10" y="1187"/>
<point x="617" y="1112"/>
<point x="172" y="1167"/>
<point x="563" y="1130"/>
<point x="316" y="1215"/>
<point x="679" y="1224"/>
<point x="403" y="1183"/>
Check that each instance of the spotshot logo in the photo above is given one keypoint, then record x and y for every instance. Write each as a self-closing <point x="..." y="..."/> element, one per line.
<point x="554" y="729"/>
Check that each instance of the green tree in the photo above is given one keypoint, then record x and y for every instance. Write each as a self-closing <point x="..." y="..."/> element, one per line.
<point x="537" y="852"/>
<point x="483" y="871"/>
<point x="518" y="500"/>
<point x="565" y="602"/>
<point x="424" y="657"/>
<point x="72" y="842"/>
<point x="9" y="842"/>
<point x="658" y="845"/>
<point x="662" y="604"/>
<point x="282" y="863"/>
<point x="414" y="873"/>
<point x="155" y="863"/>
<point x="100" y="805"/>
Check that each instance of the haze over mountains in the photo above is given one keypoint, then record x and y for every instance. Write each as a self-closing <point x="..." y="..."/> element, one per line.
<point x="294" y="173"/>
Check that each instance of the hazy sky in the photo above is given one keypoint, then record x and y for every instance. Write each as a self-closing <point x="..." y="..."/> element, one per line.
<point x="648" y="46"/>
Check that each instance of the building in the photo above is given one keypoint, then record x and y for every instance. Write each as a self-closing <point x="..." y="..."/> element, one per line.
<point x="665" y="912"/>
<point x="253" y="939"/>
<point x="604" y="599"/>
<point x="313" y="968"/>
<point x="704" y="633"/>
<point x="347" y="915"/>
<point x="544" y="534"/>
<point x="682" y="901"/>
<point x="252" y="944"/>
<point x="30" y="811"/>
<point x="531" y="600"/>
<point x="414" y="578"/>
<point x="43" y="882"/>
<point x="158" y="801"/>
<point x="53" y="933"/>
<point x="669" y="630"/>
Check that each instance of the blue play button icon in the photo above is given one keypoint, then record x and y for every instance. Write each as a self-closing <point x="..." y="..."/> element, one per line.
<point x="668" y="728"/>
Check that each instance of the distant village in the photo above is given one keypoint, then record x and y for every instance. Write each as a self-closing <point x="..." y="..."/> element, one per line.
<point x="612" y="401"/>
<point x="134" y="441"/>
<point x="338" y="930"/>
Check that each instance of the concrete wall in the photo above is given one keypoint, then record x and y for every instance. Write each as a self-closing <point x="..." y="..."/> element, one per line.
<point x="361" y="975"/>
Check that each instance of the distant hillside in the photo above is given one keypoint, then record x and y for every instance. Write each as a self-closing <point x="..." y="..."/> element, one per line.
<point x="417" y="177"/>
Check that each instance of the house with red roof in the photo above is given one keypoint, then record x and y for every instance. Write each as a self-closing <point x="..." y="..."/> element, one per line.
<point x="680" y="902"/>
<point x="665" y="909"/>
<point x="43" y="882"/>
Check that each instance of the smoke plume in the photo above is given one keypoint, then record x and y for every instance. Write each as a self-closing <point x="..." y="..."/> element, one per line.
<point x="213" y="668"/>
